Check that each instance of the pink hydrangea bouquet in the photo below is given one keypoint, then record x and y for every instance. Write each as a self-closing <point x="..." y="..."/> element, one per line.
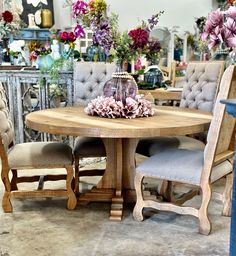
<point x="220" y="28"/>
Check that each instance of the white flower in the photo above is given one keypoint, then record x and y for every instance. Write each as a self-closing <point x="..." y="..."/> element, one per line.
<point x="35" y="3"/>
<point x="16" y="46"/>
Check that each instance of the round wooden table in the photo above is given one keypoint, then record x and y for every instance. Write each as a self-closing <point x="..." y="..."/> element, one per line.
<point x="120" y="137"/>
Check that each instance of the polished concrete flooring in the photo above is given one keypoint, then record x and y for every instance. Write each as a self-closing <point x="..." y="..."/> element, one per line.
<point x="44" y="227"/>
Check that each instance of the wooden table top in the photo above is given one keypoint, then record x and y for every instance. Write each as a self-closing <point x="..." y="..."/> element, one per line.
<point x="161" y="94"/>
<point x="74" y="121"/>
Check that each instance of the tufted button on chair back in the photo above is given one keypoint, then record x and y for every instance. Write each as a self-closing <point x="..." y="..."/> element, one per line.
<point x="202" y="83"/>
<point x="6" y="126"/>
<point x="89" y="79"/>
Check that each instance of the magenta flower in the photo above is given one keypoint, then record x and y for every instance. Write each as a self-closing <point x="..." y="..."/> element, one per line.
<point x="79" y="7"/>
<point x="139" y="37"/>
<point x="79" y="31"/>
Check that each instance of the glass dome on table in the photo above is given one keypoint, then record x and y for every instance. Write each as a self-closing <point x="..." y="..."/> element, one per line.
<point x="120" y="86"/>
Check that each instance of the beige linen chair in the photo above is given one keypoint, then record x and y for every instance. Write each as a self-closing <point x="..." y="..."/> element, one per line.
<point x="201" y="86"/>
<point x="35" y="155"/>
<point x="195" y="167"/>
<point x="89" y="79"/>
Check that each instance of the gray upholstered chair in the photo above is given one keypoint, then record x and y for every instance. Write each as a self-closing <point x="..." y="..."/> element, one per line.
<point x="89" y="79"/>
<point x="199" y="168"/>
<point x="201" y="86"/>
<point x="35" y="155"/>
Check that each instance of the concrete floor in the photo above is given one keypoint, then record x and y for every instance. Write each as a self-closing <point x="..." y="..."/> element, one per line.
<point x="44" y="227"/>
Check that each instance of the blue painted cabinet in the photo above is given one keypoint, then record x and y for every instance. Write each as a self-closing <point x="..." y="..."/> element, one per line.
<point x="33" y="34"/>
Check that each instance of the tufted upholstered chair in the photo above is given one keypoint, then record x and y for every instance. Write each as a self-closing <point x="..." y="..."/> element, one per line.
<point x="199" y="168"/>
<point x="202" y="82"/>
<point x="200" y="89"/>
<point x="35" y="155"/>
<point x="89" y="79"/>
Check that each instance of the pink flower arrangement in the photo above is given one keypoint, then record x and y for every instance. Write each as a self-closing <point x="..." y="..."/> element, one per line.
<point x="66" y="37"/>
<point x="110" y="108"/>
<point x="221" y="28"/>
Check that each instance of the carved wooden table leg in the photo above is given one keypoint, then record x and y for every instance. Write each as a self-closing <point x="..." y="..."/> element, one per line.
<point x="117" y="200"/>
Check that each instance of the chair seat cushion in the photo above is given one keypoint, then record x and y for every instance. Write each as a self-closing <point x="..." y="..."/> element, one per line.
<point x="89" y="147"/>
<point x="149" y="147"/>
<point x="181" y="165"/>
<point x="40" y="154"/>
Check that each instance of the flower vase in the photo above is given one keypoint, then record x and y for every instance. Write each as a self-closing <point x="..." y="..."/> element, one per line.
<point x="95" y="53"/>
<point x="221" y="53"/>
<point x="231" y="60"/>
<point x="120" y="86"/>
<point x="44" y="61"/>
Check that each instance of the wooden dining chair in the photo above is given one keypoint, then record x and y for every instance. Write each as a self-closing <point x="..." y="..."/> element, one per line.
<point x="202" y="82"/>
<point x="89" y="79"/>
<point x="199" y="168"/>
<point x="31" y="156"/>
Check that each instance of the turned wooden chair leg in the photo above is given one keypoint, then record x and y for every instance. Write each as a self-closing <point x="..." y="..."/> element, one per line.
<point x="227" y="196"/>
<point x="138" y="209"/>
<point x="6" y="200"/>
<point x="72" y="201"/>
<point x="14" y="180"/>
<point x="205" y="224"/>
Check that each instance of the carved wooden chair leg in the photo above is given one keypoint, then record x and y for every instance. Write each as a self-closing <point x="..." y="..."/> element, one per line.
<point x="76" y="185"/>
<point x="72" y="201"/>
<point x="166" y="190"/>
<point x="6" y="200"/>
<point x="205" y="224"/>
<point x="14" y="180"/>
<point x="227" y="196"/>
<point x="138" y="209"/>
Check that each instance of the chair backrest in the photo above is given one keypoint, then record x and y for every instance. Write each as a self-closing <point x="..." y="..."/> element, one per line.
<point x="6" y="126"/>
<point x="202" y="81"/>
<point x="178" y="81"/>
<point x="222" y="124"/>
<point x="89" y="79"/>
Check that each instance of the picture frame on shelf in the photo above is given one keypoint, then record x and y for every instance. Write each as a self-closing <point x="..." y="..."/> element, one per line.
<point x="30" y="10"/>
<point x="31" y="7"/>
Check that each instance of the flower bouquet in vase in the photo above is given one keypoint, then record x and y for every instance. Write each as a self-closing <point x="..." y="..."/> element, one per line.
<point x="44" y="58"/>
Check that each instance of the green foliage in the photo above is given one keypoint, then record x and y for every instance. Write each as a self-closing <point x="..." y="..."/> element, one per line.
<point x="54" y="75"/>
<point x="121" y="49"/>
